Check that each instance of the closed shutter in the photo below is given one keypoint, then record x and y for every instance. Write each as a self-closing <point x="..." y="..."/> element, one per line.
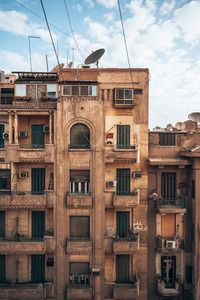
<point x="80" y="227"/>
<point x="123" y="136"/>
<point x="122" y="268"/>
<point x="123" y="181"/>
<point x="2" y="223"/>
<point x="1" y="136"/>
<point x="123" y="223"/>
<point x="37" y="136"/>
<point x="38" y="224"/>
<point x="37" y="268"/>
<point x="2" y="269"/>
<point x="168" y="225"/>
<point x="37" y="181"/>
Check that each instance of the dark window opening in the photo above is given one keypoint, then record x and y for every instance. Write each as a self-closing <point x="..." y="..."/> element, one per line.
<point x="79" y="273"/>
<point x="2" y="268"/>
<point x="122" y="268"/>
<point x="167" y="139"/>
<point x="1" y="136"/>
<point x="168" y="271"/>
<point x="138" y="91"/>
<point x="79" y="137"/>
<point x="123" y="136"/>
<point x="82" y="90"/>
<point x="50" y="262"/>
<point x="123" y="223"/>
<point x="188" y="274"/>
<point x="80" y="227"/>
<point x="2" y="223"/>
<point x="37" y="181"/>
<point x="168" y="187"/>
<point x="38" y="224"/>
<point x="123" y="96"/>
<point x="37" y="268"/>
<point x="5" y="181"/>
<point x="193" y="188"/>
<point x="37" y="136"/>
<point x="123" y="182"/>
<point x="79" y="182"/>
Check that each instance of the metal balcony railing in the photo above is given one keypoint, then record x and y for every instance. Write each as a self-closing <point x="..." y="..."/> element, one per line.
<point x="6" y="99"/>
<point x="126" y="193"/>
<point x="81" y="146"/>
<point x="31" y="146"/>
<point x="166" y="203"/>
<point x="126" y="146"/>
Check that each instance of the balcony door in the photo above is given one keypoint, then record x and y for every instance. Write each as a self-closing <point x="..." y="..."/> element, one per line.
<point x="123" y="223"/>
<point x="122" y="268"/>
<point x="168" y="187"/>
<point x="123" y="182"/>
<point x="2" y="223"/>
<point x="1" y="136"/>
<point x="2" y="269"/>
<point x="37" y="136"/>
<point x="168" y="271"/>
<point x="123" y="136"/>
<point x="38" y="224"/>
<point x="37" y="181"/>
<point x="37" y="268"/>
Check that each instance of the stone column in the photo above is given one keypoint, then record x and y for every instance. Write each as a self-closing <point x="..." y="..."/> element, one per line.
<point x="50" y="128"/>
<point x="10" y="128"/>
<point x="16" y="128"/>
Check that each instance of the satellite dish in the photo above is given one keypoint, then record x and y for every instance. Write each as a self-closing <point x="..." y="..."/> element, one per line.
<point x="70" y="64"/>
<point x="169" y="126"/>
<point x="180" y="126"/>
<point x="94" y="57"/>
<point x="195" y="116"/>
<point x="110" y="231"/>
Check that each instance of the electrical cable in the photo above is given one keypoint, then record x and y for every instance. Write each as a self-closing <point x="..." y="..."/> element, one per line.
<point x="72" y="31"/>
<point x="51" y="38"/>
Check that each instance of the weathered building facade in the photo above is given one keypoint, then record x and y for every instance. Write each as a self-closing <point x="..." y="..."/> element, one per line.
<point x="74" y="185"/>
<point x="173" y="212"/>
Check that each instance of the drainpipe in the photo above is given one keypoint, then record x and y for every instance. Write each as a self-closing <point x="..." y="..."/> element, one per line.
<point x="138" y="153"/>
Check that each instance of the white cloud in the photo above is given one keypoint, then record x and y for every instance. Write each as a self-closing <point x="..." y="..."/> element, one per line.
<point x="187" y="17"/>
<point x="108" y="3"/>
<point x="167" y="7"/>
<point x="109" y="17"/>
<point x="79" y="7"/>
<point x="90" y="2"/>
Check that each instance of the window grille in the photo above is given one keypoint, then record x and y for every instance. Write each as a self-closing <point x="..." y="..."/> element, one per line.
<point x="167" y="139"/>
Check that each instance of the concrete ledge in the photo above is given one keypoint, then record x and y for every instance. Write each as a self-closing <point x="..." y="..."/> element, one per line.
<point x="79" y="247"/>
<point x="125" y="291"/>
<point x="124" y="246"/>
<point x="78" y="201"/>
<point x="22" y="291"/>
<point x="126" y="201"/>
<point x="24" y="247"/>
<point x="78" y="292"/>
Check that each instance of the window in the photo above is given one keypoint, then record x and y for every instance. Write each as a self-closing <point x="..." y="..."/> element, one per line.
<point x="123" y="96"/>
<point x="5" y="181"/>
<point x="2" y="223"/>
<point x="168" y="187"/>
<point x="123" y="223"/>
<point x="20" y="90"/>
<point x="82" y="90"/>
<point x="79" y="273"/>
<point x="138" y="91"/>
<point x="167" y="139"/>
<point x="168" y="271"/>
<point x="37" y="136"/>
<point x="37" y="181"/>
<point x="37" y="268"/>
<point x="38" y="224"/>
<point x="193" y="188"/>
<point x="1" y="136"/>
<point x="79" y="181"/>
<point x="188" y="274"/>
<point x="2" y="269"/>
<point x="80" y="227"/>
<point x="123" y="136"/>
<point x="122" y="268"/>
<point x="41" y="91"/>
<point x="123" y="182"/>
<point x="31" y="90"/>
<point x="79" y="137"/>
<point x="51" y="90"/>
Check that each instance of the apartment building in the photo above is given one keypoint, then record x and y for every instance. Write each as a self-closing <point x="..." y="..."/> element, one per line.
<point x="74" y="185"/>
<point x="173" y="212"/>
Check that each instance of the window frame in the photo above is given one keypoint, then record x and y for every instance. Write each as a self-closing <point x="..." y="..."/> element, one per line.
<point x="167" y="139"/>
<point x="90" y="87"/>
<point x="73" y="227"/>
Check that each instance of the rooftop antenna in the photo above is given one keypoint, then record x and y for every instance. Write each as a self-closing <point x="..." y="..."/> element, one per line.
<point x="94" y="57"/>
<point x="195" y="116"/>
<point x="47" y="63"/>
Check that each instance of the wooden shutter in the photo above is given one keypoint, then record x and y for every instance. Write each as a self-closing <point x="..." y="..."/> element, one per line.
<point x="123" y="181"/>
<point x="122" y="268"/>
<point x="80" y="227"/>
<point x="168" y="225"/>
<point x="37" y="268"/>
<point x="37" y="181"/>
<point x="123" y="223"/>
<point x="2" y="269"/>
<point x="123" y="136"/>
<point x="38" y="224"/>
<point x="37" y="136"/>
<point x="1" y="136"/>
<point x="2" y="223"/>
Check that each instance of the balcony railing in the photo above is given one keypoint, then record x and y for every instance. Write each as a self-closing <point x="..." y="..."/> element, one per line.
<point x="79" y="279"/>
<point x="125" y="102"/>
<point x="170" y="288"/>
<point x="127" y="193"/>
<point x="169" y="245"/>
<point x="31" y="146"/>
<point x="6" y="99"/>
<point x="125" y="146"/>
<point x="81" y="146"/>
<point x="171" y="204"/>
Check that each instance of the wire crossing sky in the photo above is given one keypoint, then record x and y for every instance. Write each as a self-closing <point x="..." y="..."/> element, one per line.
<point x="163" y="36"/>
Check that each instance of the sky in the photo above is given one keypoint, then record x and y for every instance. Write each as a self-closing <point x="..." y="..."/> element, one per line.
<point x="162" y="35"/>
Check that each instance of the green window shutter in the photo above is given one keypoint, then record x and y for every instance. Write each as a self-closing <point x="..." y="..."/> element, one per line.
<point x="37" y="136"/>
<point x="122" y="268"/>
<point x="37" y="181"/>
<point x="123" y="181"/>
<point x="2" y="269"/>
<point x="1" y="136"/>
<point x="123" y="223"/>
<point x="38" y="224"/>
<point x="37" y="268"/>
<point x="123" y="136"/>
<point x="2" y="223"/>
<point x="188" y="274"/>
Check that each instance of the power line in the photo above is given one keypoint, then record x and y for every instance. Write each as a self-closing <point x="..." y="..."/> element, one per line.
<point x="70" y="24"/>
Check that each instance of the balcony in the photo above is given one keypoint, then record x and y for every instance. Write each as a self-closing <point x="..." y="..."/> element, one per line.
<point x="129" y="199"/>
<point x="171" y="206"/>
<point x="23" y="199"/>
<point x="78" y="292"/>
<point x="168" y="245"/>
<point x="29" y="152"/>
<point x="117" y="155"/>
<point x="126" y="290"/>
<point x="21" y="246"/>
<point x="78" y="200"/>
<point x="126" y="245"/>
<point x="170" y="289"/>
<point x="123" y="103"/>
<point x="22" y="291"/>
<point x="78" y="247"/>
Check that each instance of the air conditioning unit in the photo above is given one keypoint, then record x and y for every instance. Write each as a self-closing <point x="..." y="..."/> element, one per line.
<point x="46" y="129"/>
<point x="23" y="175"/>
<point x="137" y="174"/>
<point x="109" y="143"/>
<point x="95" y="271"/>
<point x="111" y="183"/>
<point x="170" y="244"/>
<point x="23" y="134"/>
<point x="5" y="135"/>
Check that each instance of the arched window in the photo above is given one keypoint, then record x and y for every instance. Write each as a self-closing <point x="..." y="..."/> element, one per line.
<point x="79" y="137"/>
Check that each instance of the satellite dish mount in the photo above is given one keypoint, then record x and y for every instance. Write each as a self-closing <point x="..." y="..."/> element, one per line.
<point x="94" y="57"/>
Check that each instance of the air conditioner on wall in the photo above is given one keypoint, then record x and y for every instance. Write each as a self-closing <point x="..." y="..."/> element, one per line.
<point x="5" y="135"/>
<point x="46" y="129"/>
<point x="170" y="244"/>
<point x="137" y="174"/>
<point x="23" y="134"/>
<point x="23" y="175"/>
<point x="111" y="183"/>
